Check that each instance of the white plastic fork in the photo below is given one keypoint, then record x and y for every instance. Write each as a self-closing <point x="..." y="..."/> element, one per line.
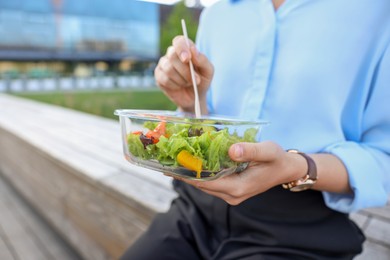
<point x="197" y="105"/>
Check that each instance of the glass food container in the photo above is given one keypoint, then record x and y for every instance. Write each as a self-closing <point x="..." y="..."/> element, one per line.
<point x="179" y="144"/>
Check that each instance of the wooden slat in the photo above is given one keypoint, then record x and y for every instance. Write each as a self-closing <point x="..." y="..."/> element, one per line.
<point x="24" y="245"/>
<point x="44" y="184"/>
<point x="51" y="128"/>
<point x="6" y="251"/>
<point x="24" y="241"/>
<point x="49" y="243"/>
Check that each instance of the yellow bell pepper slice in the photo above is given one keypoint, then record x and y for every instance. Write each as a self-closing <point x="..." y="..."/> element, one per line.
<point x="191" y="162"/>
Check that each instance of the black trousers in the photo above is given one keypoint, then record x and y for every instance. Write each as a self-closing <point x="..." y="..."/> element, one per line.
<point x="275" y="225"/>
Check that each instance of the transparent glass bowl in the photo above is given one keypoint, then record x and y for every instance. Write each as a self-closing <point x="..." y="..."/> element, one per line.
<point x="156" y="139"/>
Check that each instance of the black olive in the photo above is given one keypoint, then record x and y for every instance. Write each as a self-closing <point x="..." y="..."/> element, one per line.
<point x="146" y="140"/>
<point x="195" y="132"/>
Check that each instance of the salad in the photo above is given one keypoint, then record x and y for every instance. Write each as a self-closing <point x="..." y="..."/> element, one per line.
<point x="197" y="147"/>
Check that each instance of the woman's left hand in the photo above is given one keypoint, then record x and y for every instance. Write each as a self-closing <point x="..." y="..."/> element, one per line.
<point x="269" y="166"/>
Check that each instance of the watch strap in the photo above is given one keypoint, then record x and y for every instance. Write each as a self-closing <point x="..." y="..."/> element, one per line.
<point x="311" y="175"/>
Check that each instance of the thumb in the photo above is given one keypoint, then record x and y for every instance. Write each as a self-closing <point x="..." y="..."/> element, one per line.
<point x="259" y="152"/>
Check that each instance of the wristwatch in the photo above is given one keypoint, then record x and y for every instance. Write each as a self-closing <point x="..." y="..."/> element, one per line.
<point x="310" y="178"/>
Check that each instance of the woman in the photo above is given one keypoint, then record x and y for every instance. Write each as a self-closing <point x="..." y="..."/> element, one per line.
<point x="319" y="72"/>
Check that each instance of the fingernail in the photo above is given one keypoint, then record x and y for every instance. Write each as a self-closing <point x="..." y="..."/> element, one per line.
<point x="238" y="151"/>
<point x="184" y="56"/>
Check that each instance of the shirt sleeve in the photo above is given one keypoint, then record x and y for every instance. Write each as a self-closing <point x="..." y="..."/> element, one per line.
<point x="368" y="160"/>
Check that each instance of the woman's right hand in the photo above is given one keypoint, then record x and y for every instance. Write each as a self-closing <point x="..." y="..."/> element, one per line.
<point x="174" y="78"/>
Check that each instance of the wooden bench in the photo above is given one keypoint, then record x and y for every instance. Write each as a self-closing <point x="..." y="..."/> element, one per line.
<point x="69" y="166"/>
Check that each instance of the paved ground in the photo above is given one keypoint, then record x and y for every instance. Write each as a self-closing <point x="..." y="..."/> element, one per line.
<point x="376" y="226"/>
<point x="24" y="235"/>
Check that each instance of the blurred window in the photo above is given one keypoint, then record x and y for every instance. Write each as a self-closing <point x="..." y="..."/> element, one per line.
<point x="127" y="28"/>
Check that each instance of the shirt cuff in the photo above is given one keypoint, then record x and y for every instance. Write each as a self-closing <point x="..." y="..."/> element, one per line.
<point x="365" y="179"/>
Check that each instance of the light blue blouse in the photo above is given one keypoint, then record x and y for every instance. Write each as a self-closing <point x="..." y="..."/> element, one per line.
<point x="318" y="71"/>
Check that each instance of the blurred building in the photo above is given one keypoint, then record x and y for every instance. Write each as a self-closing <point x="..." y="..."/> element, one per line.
<point x="81" y="36"/>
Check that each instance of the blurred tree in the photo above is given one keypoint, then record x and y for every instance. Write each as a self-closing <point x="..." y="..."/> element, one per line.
<point x="172" y="26"/>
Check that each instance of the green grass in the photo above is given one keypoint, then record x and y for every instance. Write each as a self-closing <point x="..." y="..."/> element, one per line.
<point x="103" y="103"/>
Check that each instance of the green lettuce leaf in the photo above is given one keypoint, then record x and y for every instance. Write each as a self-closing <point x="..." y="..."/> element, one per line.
<point x="136" y="147"/>
<point x="212" y="145"/>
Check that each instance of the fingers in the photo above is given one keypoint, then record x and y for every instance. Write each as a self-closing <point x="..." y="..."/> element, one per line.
<point x="202" y="64"/>
<point x="167" y="76"/>
<point x="234" y="188"/>
<point x="183" y="51"/>
<point x="225" y="188"/>
<point x="259" y="152"/>
<point x="176" y="69"/>
<point x="171" y="73"/>
<point x="185" y="54"/>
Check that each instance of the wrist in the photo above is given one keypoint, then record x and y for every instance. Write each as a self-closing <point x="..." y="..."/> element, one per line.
<point x="310" y="177"/>
<point x="297" y="167"/>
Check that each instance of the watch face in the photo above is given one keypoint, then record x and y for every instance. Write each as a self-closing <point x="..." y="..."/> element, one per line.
<point x="301" y="187"/>
<point x="303" y="184"/>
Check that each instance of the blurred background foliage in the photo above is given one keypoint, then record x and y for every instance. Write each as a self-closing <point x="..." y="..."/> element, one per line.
<point x="172" y="26"/>
<point x="104" y="102"/>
